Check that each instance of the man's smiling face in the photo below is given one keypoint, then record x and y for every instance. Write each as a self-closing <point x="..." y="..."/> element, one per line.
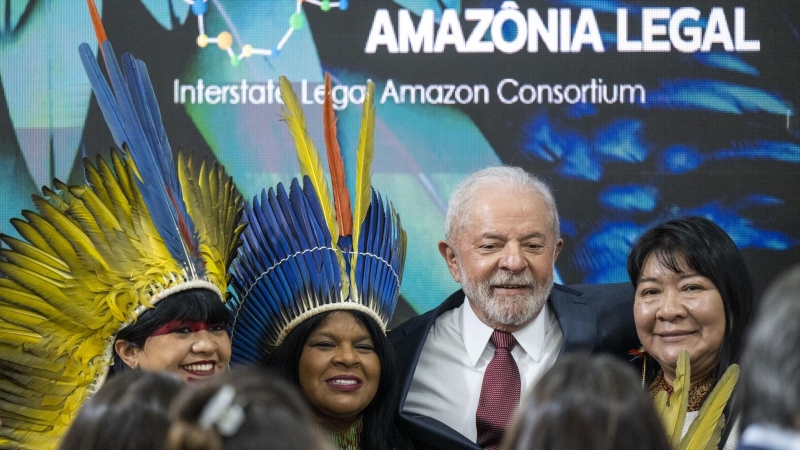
<point x="504" y="257"/>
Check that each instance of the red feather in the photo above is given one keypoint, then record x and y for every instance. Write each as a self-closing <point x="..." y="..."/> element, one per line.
<point x="638" y="352"/>
<point x="341" y="196"/>
<point x="183" y="229"/>
<point x="98" y="25"/>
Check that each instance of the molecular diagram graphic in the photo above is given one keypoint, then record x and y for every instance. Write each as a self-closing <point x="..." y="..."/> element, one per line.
<point x="224" y="40"/>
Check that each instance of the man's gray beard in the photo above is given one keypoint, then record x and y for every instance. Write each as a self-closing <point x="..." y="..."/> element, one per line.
<point x="510" y="311"/>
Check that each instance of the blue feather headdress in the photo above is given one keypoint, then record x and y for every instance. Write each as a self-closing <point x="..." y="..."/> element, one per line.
<point x="305" y="252"/>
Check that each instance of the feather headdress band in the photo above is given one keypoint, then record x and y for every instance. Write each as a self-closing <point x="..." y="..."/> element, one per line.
<point x="305" y="252"/>
<point x="95" y="256"/>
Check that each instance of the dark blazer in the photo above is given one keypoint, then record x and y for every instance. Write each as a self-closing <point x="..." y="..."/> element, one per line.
<point x="593" y="318"/>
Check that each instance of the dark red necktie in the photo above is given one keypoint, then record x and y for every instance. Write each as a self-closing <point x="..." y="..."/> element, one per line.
<point x="499" y="393"/>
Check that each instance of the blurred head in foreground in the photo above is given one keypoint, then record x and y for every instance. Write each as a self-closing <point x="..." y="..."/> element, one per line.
<point x="771" y="361"/>
<point x="248" y="410"/>
<point x="589" y="403"/>
<point x="128" y="413"/>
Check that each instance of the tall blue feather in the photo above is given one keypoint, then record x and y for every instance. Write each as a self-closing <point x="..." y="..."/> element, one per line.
<point x="379" y="269"/>
<point x="132" y="113"/>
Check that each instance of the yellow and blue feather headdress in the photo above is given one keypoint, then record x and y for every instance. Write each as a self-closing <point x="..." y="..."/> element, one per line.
<point x="95" y="256"/>
<point x="305" y="252"/>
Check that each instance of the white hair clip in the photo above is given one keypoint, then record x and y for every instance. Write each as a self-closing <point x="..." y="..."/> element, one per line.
<point x="222" y="412"/>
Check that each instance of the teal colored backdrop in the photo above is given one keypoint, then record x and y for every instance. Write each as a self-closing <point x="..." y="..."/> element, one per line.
<point x="626" y="137"/>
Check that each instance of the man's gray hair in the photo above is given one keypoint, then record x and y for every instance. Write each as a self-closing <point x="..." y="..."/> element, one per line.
<point x="771" y="361"/>
<point x="504" y="178"/>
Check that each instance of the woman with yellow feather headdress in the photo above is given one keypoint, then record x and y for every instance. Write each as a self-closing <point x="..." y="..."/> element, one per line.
<point x="315" y="285"/>
<point x="128" y="270"/>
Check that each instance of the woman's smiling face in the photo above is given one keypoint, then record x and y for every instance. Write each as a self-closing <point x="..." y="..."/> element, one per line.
<point x="339" y="370"/>
<point x="677" y="311"/>
<point x="193" y="350"/>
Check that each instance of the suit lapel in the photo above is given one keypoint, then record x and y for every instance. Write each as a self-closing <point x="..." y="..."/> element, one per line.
<point x="576" y="317"/>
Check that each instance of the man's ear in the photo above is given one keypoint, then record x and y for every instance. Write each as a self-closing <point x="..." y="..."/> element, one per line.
<point x="128" y="353"/>
<point x="557" y="250"/>
<point x="450" y="257"/>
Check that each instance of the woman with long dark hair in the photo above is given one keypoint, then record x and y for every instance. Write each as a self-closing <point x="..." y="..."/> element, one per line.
<point x="694" y="294"/>
<point x="316" y="283"/>
<point x="375" y="357"/>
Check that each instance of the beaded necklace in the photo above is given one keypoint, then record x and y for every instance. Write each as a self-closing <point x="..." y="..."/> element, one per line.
<point x="345" y="436"/>
<point x="697" y="392"/>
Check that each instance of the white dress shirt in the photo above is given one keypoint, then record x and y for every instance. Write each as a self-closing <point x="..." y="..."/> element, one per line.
<point x="772" y="437"/>
<point x="449" y="375"/>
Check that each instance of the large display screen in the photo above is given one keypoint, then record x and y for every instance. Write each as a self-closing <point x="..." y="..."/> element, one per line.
<point x="634" y="112"/>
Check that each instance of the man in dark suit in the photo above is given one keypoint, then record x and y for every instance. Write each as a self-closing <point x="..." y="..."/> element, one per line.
<point x="465" y="364"/>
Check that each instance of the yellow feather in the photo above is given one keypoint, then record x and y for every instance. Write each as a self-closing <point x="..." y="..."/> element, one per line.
<point x="34" y="380"/>
<point x="32" y="235"/>
<point x="21" y="396"/>
<point x="705" y="431"/>
<point x="55" y="199"/>
<point x="15" y="296"/>
<point x="21" y="387"/>
<point x="121" y="177"/>
<point x="307" y="154"/>
<point x="18" y="336"/>
<point x="41" y="414"/>
<point x="33" y="280"/>
<point x="208" y="189"/>
<point x="15" y="317"/>
<point x="78" y="239"/>
<point x="68" y="205"/>
<point x="113" y="188"/>
<point x="661" y="403"/>
<point x="28" y="250"/>
<point x="52" y="239"/>
<point x="364" y="155"/>
<point x="95" y="206"/>
<point x="95" y="181"/>
<point x="107" y="204"/>
<point x="53" y="289"/>
<point x="34" y="265"/>
<point x="191" y="187"/>
<point x="679" y="401"/>
<point x="33" y="364"/>
<point x="215" y="211"/>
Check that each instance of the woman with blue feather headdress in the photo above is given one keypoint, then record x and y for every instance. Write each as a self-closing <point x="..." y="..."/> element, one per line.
<point x="315" y="285"/>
